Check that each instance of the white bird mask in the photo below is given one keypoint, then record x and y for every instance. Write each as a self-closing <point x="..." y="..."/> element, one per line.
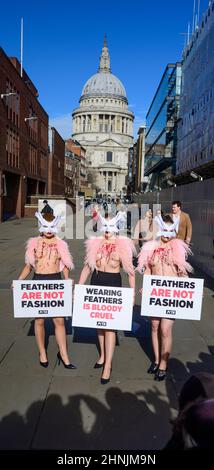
<point x="48" y="227"/>
<point x="166" y="230"/>
<point x="110" y="225"/>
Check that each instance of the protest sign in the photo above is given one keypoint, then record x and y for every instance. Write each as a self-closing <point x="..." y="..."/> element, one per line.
<point x="172" y="297"/>
<point x="103" y="307"/>
<point x="42" y="298"/>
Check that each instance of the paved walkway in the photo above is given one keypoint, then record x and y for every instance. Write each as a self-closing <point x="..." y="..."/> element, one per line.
<point x="56" y="408"/>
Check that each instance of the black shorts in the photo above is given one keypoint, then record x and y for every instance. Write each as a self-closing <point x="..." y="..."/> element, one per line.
<point x="46" y="277"/>
<point x="100" y="278"/>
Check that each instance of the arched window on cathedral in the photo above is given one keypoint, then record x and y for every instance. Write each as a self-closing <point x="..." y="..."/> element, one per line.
<point x="109" y="157"/>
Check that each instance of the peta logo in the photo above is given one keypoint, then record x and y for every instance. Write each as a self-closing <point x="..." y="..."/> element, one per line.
<point x="43" y="312"/>
<point x="171" y="312"/>
<point x="101" y="323"/>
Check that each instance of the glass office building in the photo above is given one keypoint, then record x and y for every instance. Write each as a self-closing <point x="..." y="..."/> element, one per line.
<point x="161" y="124"/>
<point x="196" y="126"/>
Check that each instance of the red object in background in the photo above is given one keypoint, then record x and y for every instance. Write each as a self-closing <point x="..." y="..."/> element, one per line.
<point x="95" y="215"/>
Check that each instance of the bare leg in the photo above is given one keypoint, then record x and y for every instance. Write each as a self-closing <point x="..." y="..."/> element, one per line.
<point x="110" y="340"/>
<point x="101" y="338"/>
<point x="39" y="329"/>
<point x="166" y="341"/>
<point x="156" y="338"/>
<point x="61" y="338"/>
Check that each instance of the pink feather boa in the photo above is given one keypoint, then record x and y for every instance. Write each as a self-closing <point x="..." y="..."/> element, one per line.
<point x="62" y="247"/>
<point x="124" y="246"/>
<point x="180" y="251"/>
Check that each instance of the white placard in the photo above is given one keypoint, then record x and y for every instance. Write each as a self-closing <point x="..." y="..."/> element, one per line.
<point x="172" y="297"/>
<point x="41" y="299"/>
<point x="103" y="307"/>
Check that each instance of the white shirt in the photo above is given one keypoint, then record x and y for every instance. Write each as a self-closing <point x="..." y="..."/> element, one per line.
<point x="175" y="219"/>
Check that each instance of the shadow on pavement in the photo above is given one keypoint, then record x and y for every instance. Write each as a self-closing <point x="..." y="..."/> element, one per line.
<point x="126" y="421"/>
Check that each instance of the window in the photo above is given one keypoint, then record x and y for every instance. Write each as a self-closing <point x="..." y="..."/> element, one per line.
<point x="109" y="157"/>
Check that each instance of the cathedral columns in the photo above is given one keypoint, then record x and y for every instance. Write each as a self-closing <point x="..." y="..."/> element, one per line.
<point x="109" y="123"/>
<point x="116" y="182"/>
<point x="113" y="181"/>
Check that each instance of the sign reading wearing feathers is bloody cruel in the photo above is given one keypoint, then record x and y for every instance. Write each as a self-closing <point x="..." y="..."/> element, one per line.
<point x="103" y="307"/>
<point x="36" y="299"/>
<point x="172" y="297"/>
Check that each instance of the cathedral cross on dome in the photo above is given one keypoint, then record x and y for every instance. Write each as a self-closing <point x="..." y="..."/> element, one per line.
<point x="104" y="58"/>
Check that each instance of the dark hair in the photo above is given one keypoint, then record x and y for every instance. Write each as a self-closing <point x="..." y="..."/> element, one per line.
<point x="197" y="389"/>
<point x="199" y="423"/>
<point x="198" y="386"/>
<point x="167" y="219"/>
<point x="178" y="203"/>
<point x="48" y="217"/>
<point x="45" y="201"/>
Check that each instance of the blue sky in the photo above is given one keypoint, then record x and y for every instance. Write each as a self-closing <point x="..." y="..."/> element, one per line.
<point x="63" y="41"/>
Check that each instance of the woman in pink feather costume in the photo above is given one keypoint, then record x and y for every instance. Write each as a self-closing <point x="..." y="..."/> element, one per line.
<point x="48" y="255"/>
<point x="104" y="257"/>
<point x="165" y="256"/>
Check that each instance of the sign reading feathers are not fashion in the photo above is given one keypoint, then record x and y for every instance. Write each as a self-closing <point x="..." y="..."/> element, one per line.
<point x="103" y="307"/>
<point x="172" y="297"/>
<point x="34" y="299"/>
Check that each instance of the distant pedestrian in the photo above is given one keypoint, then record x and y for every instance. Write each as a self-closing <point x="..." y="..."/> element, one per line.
<point x="144" y="229"/>
<point x="95" y="213"/>
<point x="185" y="224"/>
<point x="47" y="209"/>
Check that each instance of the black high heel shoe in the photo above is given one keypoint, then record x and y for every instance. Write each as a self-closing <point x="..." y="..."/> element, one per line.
<point x="98" y="365"/>
<point x="105" y="381"/>
<point x="160" y="375"/>
<point x="44" y="364"/>
<point x="67" y="366"/>
<point x="152" y="368"/>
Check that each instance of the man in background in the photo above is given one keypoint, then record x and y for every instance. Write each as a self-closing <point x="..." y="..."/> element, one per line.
<point x="185" y="224"/>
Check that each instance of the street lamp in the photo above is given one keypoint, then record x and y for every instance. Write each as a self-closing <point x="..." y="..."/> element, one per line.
<point x="7" y="94"/>
<point x="31" y="118"/>
<point x="170" y="183"/>
<point x="196" y="176"/>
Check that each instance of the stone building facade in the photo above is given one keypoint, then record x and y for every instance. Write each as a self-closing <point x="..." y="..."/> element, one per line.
<point x="103" y="125"/>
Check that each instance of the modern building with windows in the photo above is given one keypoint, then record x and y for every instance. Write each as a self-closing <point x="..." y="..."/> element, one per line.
<point x="23" y="140"/>
<point x="196" y="124"/>
<point x="136" y="179"/>
<point x="72" y="172"/>
<point x="161" y="129"/>
<point x="103" y="125"/>
<point x="56" y="163"/>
